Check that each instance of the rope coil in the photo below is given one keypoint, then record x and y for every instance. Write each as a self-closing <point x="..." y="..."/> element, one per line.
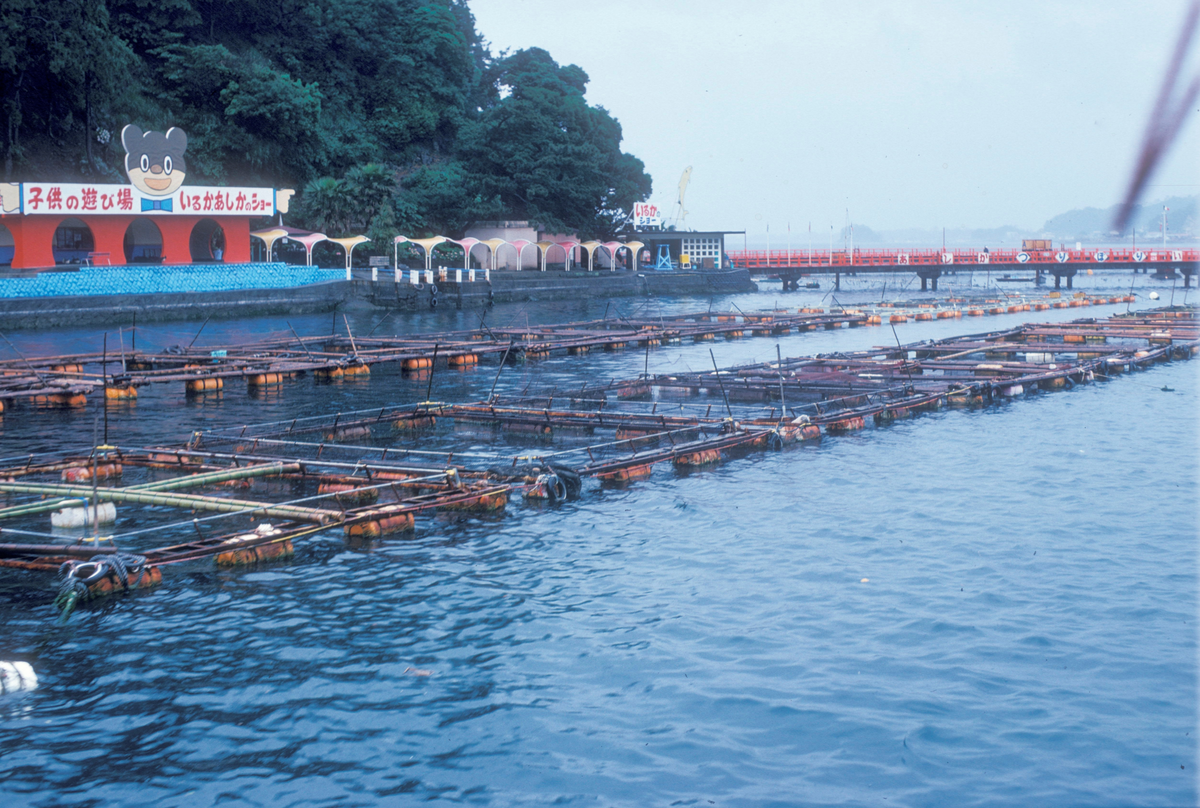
<point x="555" y="488"/>
<point x="78" y="577"/>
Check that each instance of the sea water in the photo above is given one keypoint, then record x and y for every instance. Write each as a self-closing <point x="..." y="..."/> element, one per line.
<point x="983" y="607"/>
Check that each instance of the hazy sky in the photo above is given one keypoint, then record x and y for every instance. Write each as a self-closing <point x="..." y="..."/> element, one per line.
<point x="909" y="114"/>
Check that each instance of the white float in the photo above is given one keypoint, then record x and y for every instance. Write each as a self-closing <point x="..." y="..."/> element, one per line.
<point x="83" y="517"/>
<point x="17" y="676"/>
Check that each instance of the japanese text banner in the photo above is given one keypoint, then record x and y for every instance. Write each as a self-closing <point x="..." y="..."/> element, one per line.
<point x="76" y="198"/>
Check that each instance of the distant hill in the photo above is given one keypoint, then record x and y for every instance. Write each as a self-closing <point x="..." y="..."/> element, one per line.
<point x="1008" y="236"/>
<point x="1093" y="224"/>
<point x="1087" y="225"/>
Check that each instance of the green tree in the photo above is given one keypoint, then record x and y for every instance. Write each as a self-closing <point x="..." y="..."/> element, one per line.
<point x="61" y="66"/>
<point x="542" y="153"/>
<point x="398" y="98"/>
<point x="368" y="191"/>
<point x="246" y="119"/>
<point x="323" y="206"/>
<point x="358" y="204"/>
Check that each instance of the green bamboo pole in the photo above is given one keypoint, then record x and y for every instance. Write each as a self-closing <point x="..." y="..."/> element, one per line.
<point x="270" y="470"/>
<point x="189" y="501"/>
<point x="193" y="481"/>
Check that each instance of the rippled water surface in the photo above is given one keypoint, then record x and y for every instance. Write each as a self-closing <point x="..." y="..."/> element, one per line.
<point x="1025" y="633"/>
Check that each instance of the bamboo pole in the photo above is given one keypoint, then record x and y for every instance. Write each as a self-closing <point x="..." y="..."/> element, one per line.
<point x="192" y="481"/>
<point x="270" y="470"/>
<point x="189" y="501"/>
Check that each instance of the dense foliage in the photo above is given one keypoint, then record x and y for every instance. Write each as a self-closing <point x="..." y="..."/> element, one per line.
<point x="387" y="115"/>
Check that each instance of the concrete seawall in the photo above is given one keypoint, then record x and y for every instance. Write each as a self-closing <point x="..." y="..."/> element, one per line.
<point x="120" y="309"/>
<point x="78" y="310"/>
<point x="507" y="287"/>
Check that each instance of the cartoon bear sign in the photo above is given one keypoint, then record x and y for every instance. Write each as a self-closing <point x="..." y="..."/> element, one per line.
<point x="155" y="163"/>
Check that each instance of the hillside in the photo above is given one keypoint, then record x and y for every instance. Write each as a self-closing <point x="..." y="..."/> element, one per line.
<point x="387" y="115"/>
<point x="1095" y="224"/>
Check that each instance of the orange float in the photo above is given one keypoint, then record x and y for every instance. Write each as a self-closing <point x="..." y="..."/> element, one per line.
<point x="845" y="425"/>
<point x="246" y="556"/>
<point x="484" y="502"/>
<point x="702" y="458"/>
<point x="416" y="422"/>
<point x="345" y="493"/>
<point x="380" y="524"/>
<point x="61" y="401"/>
<point x="120" y="393"/>
<point x="627" y="474"/>
<point x="265" y="379"/>
<point x="204" y="385"/>
<point x="79" y="474"/>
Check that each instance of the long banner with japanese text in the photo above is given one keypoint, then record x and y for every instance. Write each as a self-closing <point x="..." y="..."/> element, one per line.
<point x="81" y="198"/>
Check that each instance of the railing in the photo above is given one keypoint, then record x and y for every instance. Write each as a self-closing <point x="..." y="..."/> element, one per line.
<point x="799" y="259"/>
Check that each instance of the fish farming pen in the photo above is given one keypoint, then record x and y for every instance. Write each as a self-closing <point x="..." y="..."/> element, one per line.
<point x="119" y="369"/>
<point x="243" y="495"/>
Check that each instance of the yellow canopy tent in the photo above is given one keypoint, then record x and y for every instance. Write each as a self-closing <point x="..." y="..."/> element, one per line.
<point x="348" y="244"/>
<point x="269" y="237"/>
<point x="590" y="247"/>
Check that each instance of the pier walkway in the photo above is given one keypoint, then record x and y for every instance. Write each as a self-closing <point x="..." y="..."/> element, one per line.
<point x="929" y="265"/>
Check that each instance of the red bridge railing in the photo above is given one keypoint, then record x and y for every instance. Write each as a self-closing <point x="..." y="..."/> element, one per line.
<point x="780" y="259"/>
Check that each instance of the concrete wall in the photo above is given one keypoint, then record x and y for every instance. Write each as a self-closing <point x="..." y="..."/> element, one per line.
<point x="509" y="231"/>
<point x="111" y="311"/>
<point x="120" y="310"/>
<point x="514" y="231"/>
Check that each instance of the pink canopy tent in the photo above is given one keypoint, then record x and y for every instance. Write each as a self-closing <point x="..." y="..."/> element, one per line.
<point x="521" y="244"/>
<point x="569" y="249"/>
<point x="467" y="244"/>
<point x="309" y="241"/>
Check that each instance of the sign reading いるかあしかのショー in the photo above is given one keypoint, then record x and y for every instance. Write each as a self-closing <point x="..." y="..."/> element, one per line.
<point x="76" y="198"/>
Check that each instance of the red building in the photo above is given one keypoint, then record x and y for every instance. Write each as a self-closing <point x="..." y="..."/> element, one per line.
<point x="44" y="224"/>
<point x="154" y="219"/>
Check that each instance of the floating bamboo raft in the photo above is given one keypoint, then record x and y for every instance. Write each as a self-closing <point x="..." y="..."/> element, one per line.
<point x="372" y="473"/>
<point x="117" y="372"/>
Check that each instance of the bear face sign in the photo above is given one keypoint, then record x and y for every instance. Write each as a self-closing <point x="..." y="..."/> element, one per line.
<point x="157" y="167"/>
<point x="154" y="161"/>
